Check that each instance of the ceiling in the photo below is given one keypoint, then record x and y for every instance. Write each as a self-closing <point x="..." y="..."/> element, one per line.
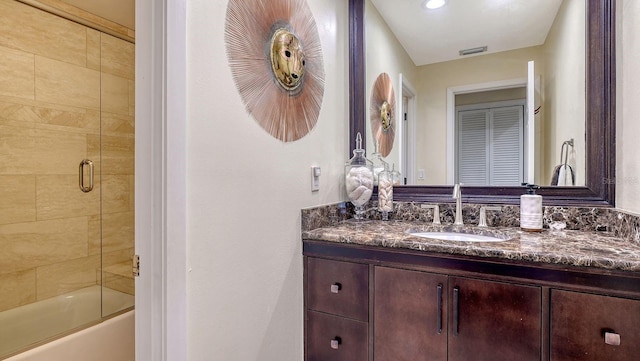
<point x="432" y="36"/>
<point x="119" y="11"/>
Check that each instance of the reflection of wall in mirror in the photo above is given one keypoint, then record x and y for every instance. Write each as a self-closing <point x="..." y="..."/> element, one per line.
<point x="385" y="55"/>
<point x="561" y="118"/>
<point x="564" y="76"/>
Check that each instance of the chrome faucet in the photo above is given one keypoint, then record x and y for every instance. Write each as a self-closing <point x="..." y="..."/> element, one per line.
<point x="436" y="212"/>
<point x="457" y="195"/>
<point x="483" y="214"/>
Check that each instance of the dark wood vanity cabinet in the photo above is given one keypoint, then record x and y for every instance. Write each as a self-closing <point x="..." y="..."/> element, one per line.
<point x="594" y="327"/>
<point x="380" y="304"/>
<point x="453" y="318"/>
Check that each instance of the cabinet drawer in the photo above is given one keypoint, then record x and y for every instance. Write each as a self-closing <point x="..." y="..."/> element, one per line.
<point x="340" y="288"/>
<point x="580" y="321"/>
<point x="334" y="338"/>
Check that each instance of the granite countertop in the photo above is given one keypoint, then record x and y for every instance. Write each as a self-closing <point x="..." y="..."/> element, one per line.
<point x="566" y="247"/>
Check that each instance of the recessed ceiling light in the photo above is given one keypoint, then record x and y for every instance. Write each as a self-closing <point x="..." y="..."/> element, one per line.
<point x="434" y="4"/>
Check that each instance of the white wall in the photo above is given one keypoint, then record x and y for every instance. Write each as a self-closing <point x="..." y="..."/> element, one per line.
<point x="628" y="106"/>
<point x="245" y="190"/>
<point x="564" y="87"/>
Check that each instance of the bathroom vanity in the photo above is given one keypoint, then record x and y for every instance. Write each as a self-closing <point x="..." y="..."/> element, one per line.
<point x="374" y="291"/>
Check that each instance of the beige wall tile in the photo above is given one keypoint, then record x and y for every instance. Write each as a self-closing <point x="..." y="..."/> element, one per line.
<point x="59" y="196"/>
<point x="32" y="244"/>
<point x="118" y="57"/>
<point x="28" y="113"/>
<point x="62" y="83"/>
<point x="17" y="199"/>
<point x="117" y="155"/>
<point x="132" y="185"/>
<point x="64" y="277"/>
<point x="116" y="192"/>
<point x="114" y="124"/>
<point x="119" y="277"/>
<point x="40" y="151"/>
<point x="16" y="73"/>
<point x="94" y="151"/>
<point x="26" y="28"/>
<point x="132" y="98"/>
<point x="117" y="231"/>
<point x="93" y="49"/>
<point x="17" y="289"/>
<point x="95" y="234"/>
<point x="115" y="94"/>
<point x="119" y="256"/>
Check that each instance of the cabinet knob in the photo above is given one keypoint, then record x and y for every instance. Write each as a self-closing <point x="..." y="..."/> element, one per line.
<point x="336" y="342"/>
<point x="611" y="338"/>
<point x="336" y="287"/>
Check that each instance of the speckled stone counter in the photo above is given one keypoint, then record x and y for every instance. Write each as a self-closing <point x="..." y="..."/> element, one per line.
<point x="568" y="247"/>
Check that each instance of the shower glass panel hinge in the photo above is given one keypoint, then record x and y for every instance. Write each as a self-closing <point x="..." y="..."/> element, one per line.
<point x="136" y="266"/>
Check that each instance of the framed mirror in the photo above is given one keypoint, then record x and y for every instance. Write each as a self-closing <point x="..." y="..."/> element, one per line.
<point x="598" y="187"/>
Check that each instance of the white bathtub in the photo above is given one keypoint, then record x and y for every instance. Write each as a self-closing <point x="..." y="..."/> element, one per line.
<point x="23" y="326"/>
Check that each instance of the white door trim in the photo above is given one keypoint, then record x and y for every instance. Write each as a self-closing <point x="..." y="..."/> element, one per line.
<point x="407" y="150"/>
<point x="160" y="181"/>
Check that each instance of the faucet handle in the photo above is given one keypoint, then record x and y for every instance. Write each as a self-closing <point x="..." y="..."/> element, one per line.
<point x="456" y="191"/>
<point x="436" y="212"/>
<point x="483" y="214"/>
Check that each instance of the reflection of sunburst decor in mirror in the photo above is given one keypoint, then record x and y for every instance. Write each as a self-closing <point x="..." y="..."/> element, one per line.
<point x="382" y="114"/>
<point x="275" y="56"/>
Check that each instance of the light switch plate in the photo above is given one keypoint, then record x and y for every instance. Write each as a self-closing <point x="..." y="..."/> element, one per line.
<point x="315" y="178"/>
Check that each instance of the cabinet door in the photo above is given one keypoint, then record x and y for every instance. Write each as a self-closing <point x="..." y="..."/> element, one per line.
<point x="494" y="321"/>
<point x="409" y="315"/>
<point x="593" y="327"/>
<point x="334" y="338"/>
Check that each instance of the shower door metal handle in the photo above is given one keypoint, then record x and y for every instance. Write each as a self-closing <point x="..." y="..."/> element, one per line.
<point x="81" y="175"/>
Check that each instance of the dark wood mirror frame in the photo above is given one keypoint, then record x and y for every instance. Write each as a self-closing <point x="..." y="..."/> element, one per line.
<point x="600" y="119"/>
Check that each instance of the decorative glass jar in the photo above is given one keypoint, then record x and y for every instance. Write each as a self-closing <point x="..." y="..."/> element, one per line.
<point x="359" y="179"/>
<point x="385" y="192"/>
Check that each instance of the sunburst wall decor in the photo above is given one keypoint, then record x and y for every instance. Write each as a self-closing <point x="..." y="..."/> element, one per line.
<point x="382" y="114"/>
<point x="275" y="56"/>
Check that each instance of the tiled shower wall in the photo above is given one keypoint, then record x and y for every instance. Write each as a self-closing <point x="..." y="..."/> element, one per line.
<point x="66" y="94"/>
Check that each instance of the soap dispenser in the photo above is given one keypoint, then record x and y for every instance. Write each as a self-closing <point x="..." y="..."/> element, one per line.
<point x="531" y="209"/>
<point x="359" y="179"/>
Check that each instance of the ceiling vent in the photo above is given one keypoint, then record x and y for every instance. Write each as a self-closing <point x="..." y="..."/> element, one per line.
<point x="480" y="49"/>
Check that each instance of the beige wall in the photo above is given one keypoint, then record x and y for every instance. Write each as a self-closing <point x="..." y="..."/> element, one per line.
<point x="245" y="190"/>
<point x="61" y="84"/>
<point x="628" y="106"/>
<point x="385" y="55"/>
<point x="564" y="112"/>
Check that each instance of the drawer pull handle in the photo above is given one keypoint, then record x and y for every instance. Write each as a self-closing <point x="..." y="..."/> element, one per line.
<point x="611" y="338"/>
<point x="456" y="315"/>
<point x="439" y="301"/>
<point x="336" y="342"/>
<point x="336" y="287"/>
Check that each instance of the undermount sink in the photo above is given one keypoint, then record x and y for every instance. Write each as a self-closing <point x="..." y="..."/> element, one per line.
<point x="458" y="236"/>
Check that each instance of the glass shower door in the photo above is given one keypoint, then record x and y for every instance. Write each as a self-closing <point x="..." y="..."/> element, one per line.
<point x="66" y="226"/>
<point x="117" y="58"/>
<point x="50" y="247"/>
